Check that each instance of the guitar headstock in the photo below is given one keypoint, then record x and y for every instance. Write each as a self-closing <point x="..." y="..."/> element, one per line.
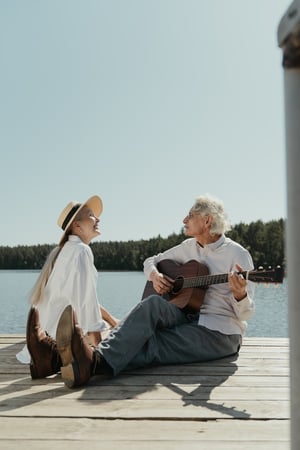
<point x="267" y="275"/>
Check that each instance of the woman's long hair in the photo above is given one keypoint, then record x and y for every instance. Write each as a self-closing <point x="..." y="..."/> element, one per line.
<point x="40" y="284"/>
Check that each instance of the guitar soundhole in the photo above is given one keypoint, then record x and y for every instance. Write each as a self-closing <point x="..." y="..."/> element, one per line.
<point x="177" y="286"/>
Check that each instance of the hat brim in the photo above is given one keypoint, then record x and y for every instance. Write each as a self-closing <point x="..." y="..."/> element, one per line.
<point x="94" y="203"/>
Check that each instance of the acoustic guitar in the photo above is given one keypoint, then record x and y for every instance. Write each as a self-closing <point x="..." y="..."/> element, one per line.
<point x="192" y="279"/>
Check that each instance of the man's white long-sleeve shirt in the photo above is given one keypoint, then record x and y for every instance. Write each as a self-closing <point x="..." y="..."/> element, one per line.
<point x="220" y="310"/>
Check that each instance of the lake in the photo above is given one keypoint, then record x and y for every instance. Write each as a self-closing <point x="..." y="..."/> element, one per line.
<point x="120" y="291"/>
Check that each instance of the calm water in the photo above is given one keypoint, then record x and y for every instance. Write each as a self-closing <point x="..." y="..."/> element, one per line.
<point x="120" y="291"/>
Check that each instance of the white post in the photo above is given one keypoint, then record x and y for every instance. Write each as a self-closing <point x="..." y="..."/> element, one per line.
<point x="289" y="41"/>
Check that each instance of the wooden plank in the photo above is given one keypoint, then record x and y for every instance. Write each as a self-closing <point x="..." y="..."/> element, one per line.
<point x="259" y="367"/>
<point x="62" y="406"/>
<point x="174" y="444"/>
<point x="160" y="390"/>
<point x="186" y="393"/>
<point x="24" y="381"/>
<point x="107" y="434"/>
<point x="118" y="430"/>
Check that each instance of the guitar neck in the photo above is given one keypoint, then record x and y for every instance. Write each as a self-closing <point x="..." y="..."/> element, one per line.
<point x="207" y="280"/>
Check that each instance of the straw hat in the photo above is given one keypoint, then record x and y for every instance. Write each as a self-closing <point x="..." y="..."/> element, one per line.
<point x="68" y="214"/>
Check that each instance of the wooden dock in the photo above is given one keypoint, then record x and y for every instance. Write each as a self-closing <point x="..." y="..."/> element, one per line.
<point x="235" y="403"/>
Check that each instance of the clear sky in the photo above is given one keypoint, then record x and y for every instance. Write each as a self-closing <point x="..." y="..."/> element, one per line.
<point x="147" y="103"/>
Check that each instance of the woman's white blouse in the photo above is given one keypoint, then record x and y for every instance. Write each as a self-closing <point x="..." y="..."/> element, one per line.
<point x="73" y="281"/>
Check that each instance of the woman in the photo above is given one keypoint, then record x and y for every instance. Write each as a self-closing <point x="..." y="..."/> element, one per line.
<point x="68" y="277"/>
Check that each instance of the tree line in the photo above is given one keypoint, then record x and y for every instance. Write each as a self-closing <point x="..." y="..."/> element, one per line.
<point x="264" y="240"/>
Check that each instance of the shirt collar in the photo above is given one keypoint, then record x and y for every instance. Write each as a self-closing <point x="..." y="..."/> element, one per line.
<point x="214" y="245"/>
<point x="74" y="238"/>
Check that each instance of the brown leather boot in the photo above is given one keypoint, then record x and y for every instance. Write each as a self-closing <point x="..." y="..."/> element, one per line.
<point x="45" y="359"/>
<point x="75" y="352"/>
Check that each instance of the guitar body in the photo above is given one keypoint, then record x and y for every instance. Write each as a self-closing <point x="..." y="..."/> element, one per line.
<point x="191" y="297"/>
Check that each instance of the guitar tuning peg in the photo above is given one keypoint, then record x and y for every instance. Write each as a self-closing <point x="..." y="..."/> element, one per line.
<point x="260" y="268"/>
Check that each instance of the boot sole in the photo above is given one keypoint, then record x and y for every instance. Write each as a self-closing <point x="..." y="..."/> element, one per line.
<point x="69" y="374"/>
<point x="64" y="333"/>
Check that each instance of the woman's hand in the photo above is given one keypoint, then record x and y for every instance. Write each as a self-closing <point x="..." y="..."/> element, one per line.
<point x="93" y="338"/>
<point x="111" y="320"/>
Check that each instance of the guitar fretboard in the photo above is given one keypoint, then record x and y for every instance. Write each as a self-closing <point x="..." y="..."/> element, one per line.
<point x="207" y="280"/>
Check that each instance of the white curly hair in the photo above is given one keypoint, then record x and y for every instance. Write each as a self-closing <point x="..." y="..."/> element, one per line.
<point x="207" y="205"/>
